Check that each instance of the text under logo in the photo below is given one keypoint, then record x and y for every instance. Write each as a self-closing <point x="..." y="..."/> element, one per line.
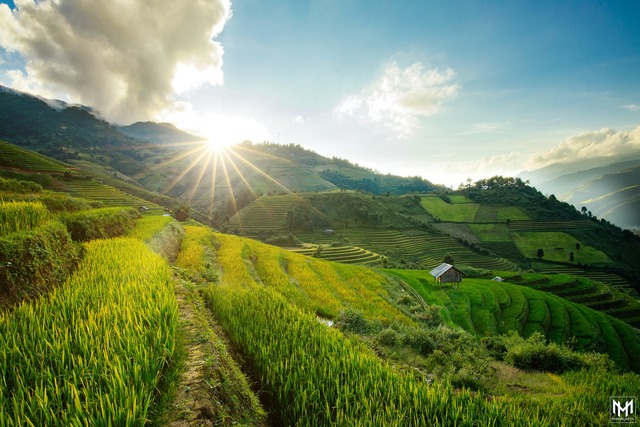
<point x="623" y="409"/>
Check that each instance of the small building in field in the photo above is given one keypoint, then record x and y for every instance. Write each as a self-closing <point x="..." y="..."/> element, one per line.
<point x="447" y="273"/>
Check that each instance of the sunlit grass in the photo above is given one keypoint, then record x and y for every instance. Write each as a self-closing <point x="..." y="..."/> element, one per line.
<point x="92" y="352"/>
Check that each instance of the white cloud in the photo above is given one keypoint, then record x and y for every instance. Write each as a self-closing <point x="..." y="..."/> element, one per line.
<point x="400" y="97"/>
<point x="299" y="120"/>
<point x="455" y="173"/>
<point x="125" y="58"/>
<point x="631" y="107"/>
<point x="487" y="128"/>
<point x="587" y="145"/>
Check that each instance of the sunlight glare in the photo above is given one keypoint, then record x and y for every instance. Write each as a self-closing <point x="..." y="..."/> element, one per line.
<point x="216" y="145"/>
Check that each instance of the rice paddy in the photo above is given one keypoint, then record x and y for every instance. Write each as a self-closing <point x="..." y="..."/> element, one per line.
<point x="93" y="351"/>
<point x="485" y="307"/>
<point x="21" y="216"/>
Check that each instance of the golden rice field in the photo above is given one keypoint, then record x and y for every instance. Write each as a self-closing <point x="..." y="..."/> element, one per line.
<point x="317" y="286"/>
<point x="316" y="376"/>
<point x="21" y="216"/>
<point x="92" y="352"/>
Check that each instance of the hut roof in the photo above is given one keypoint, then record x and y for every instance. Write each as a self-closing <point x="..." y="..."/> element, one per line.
<point x="443" y="268"/>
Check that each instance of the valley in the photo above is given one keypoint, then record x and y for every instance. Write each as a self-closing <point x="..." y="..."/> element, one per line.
<point x="265" y="284"/>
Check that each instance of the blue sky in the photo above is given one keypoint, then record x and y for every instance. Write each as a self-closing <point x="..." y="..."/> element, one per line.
<point x="442" y="89"/>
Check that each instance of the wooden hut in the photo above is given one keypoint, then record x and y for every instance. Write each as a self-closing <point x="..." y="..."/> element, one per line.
<point x="447" y="273"/>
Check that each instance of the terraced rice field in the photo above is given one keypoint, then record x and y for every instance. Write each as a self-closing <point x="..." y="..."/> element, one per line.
<point x="608" y="278"/>
<point x="267" y="214"/>
<point x="583" y="290"/>
<point x="427" y="249"/>
<point x="485" y="307"/>
<point x="551" y="225"/>
<point x="16" y="157"/>
<point x="343" y="254"/>
<point x="315" y="286"/>
<point x="462" y="209"/>
<point x="492" y="214"/>
<point x="93" y="190"/>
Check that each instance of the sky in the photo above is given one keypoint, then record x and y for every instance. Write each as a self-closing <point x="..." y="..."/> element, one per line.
<point x="446" y="90"/>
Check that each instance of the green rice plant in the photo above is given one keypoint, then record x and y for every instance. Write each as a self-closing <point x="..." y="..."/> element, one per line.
<point x="538" y="311"/>
<point x="192" y="251"/>
<point x="485" y="308"/>
<point x="484" y="322"/>
<point x="33" y="262"/>
<point x="100" y="223"/>
<point x="457" y="212"/>
<point x="18" y="216"/>
<point x="491" y="232"/>
<point x="317" y="286"/>
<point x="315" y="376"/>
<point x="18" y="186"/>
<point x="93" y="351"/>
<point x="148" y="226"/>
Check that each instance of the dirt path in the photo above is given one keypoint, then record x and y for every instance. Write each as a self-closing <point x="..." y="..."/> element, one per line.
<point x="212" y="390"/>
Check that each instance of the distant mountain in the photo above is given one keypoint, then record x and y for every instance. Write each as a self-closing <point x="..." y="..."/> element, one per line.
<point x="49" y="126"/>
<point x="165" y="159"/>
<point x="608" y="189"/>
<point x="159" y="133"/>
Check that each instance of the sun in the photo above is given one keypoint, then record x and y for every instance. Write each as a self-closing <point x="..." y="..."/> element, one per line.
<point x="216" y="145"/>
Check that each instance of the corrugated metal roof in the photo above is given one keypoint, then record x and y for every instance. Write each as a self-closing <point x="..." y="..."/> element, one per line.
<point x="440" y="270"/>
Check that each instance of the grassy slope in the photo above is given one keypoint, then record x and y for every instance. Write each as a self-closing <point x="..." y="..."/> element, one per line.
<point x="485" y="307"/>
<point x="455" y="212"/>
<point x="246" y="300"/>
<point x="557" y="246"/>
<point x="16" y="157"/>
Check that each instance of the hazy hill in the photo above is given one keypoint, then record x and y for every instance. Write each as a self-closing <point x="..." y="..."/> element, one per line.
<point x="159" y="133"/>
<point x="51" y="125"/>
<point x="608" y="189"/>
<point x="164" y="159"/>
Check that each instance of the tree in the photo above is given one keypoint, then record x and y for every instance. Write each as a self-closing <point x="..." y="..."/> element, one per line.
<point x="449" y="259"/>
<point x="571" y="258"/>
<point x="577" y="246"/>
<point x="318" y="252"/>
<point x="540" y="253"/>
<point x="182" y="212"/>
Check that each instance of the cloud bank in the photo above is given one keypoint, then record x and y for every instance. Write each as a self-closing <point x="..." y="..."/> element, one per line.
<point x="126" y="58"/>
<point x="400" y="97"/>
<point x="588" y="145"/>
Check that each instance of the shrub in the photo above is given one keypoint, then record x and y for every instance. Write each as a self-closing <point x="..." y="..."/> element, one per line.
<point x="63" y="203"/>
<point x="42" y="179"/>
<point x="16" y="186"/>
<point x="388" y="337"/>
<point x="100" y="223"/>
<point x="534" y="354"/>
<point x="419" y="340"/>
<point x="284" y="240"/>
<point x="354" y="321"/>
<point x="35" y="261"/>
